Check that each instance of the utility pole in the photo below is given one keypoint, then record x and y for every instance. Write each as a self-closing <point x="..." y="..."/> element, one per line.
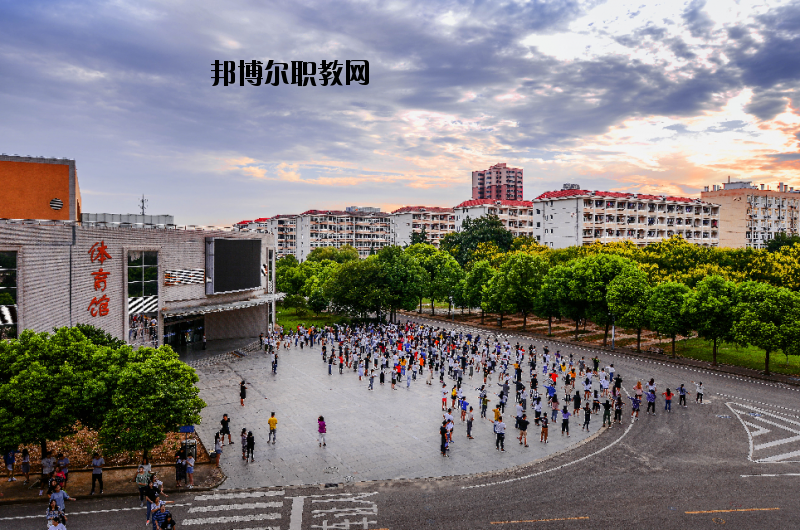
<point x="143" y="204"/>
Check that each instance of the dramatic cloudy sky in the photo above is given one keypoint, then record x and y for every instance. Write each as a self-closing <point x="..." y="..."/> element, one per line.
<point x="632" y="96"/>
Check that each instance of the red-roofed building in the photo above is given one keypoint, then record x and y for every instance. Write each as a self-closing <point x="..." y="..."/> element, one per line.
<point x="516" y="216"/>
<point x="573" y="216"/>
<point x="499" y="182"/>
<point x="434" y="220"/>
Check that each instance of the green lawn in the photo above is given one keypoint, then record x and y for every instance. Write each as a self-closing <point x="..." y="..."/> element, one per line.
<point x="289" y="320"/>
<point x="749" y="357"/>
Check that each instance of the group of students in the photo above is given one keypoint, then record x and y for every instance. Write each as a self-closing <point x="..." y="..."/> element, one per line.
<point x="151" y="492"/>
<point x="392" y="352"/>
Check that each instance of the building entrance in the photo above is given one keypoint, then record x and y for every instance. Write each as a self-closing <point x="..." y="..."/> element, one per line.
<point x="184" y="334"/>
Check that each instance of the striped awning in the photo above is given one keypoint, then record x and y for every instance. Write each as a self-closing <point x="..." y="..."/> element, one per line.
<point x="218" y="308"/>
<point x="8" y="315"/>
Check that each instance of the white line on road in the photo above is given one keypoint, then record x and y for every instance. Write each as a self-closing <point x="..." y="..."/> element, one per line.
<point x="296" y="517"/>
<point x="232" y="519"/>
<point x="245" y="495"/>
<point x="774" y="475"/>
<point x="244" y="506"/>
<point x="70" y="514"/>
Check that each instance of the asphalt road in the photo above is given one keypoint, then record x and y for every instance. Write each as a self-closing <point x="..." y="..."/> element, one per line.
<point x="734" y="462"/>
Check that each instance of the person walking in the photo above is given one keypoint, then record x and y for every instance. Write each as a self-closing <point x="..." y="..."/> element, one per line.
<point x="217" y="449"/>
<point x="242" y="392"/>
<point x="322" y="430"/>
<point x="190" y="471"/>
<point x="225" y="429"/>
<point x="243" y="437"/>
<point x="500" y="434"/>
<point x="251" y="446"/>
<point x="97" y="471"/>
<point x="273" y="428"/>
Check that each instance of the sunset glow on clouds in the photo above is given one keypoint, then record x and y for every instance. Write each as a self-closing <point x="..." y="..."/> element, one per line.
<point x="628" y="96"/>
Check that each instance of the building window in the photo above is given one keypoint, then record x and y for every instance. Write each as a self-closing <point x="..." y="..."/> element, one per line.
<point x="143" y="298"/>
<point x="8" y="295"/>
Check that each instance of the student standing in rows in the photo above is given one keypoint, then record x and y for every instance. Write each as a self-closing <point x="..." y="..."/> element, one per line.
<point x="544" y="422"/>
<point x="699" y="397"/>
<point x="470" y="418"/>
<point x="651" y="401"/>
<point x="668" y="400"/>
<point x="606" y="413"/>
<point x="587" y="416"/>
<point x="443" y="438"/>
<point x="682" y="396"/>
<point x="523" y="430"/>
<point x="500" y="433"/>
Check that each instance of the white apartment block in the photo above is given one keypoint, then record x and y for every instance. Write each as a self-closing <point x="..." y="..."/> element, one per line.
<point x="516" y="216"/>
<point x="437" y="222"/>
<point x="284" y="227"/>
<point x="572" y="217"/>
<point x="368" y="232"/>
<point x="752" y="215"/>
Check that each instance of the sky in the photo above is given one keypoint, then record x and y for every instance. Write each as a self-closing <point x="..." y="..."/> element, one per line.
<point x="655" y="97"/>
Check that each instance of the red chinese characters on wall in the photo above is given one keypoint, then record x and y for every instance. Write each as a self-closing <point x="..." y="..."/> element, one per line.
<point x="99" y="306"/>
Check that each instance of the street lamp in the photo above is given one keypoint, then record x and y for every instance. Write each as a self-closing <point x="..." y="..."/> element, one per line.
<point x="613" y="328"/>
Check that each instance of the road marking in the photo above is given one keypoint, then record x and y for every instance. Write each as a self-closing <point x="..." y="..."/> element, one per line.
<point x="296" y="516"/>
<point x="70" y="514"/>
<point x="754" y="422"/>
<point x="245" y="495"/>
<point x="736" y="510"/>
<point x="541" y="520"/>
<point x="261" y="528"/>
<point x="244" y="506"/>
<point x="774" y="475"/>
<point x="232" y="519"/>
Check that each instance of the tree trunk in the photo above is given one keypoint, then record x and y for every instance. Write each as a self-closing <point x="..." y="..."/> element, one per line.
<point x="714" y="354"/>
<point x="577" y="327"/>
<point x="605" y="336"/>
<point x="639" y="340"/>
<point x="501" y="320"/>
<point x="766" y="364"/>
<point x="482" y="314"/>
<point x="43" y="443"/>
<point x="449" y="309"/>
<point x="420" y="305"/>
<point x="524" y="320"/>
<point x="673" y="347"/>
<point x="549" y="325"/>
<point x="433" y="307"/>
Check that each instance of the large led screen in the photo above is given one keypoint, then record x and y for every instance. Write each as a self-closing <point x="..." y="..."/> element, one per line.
<point x="237" y="264"/>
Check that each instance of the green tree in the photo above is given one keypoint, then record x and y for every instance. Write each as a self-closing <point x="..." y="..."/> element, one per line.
<point x="523" y="276"/>
<point x="284" y="273"/>
<point x="99" y="337"/>
<point x="402" y="278"/>
<point x="628" y="295"/>
<point x="766" y="317"/>
<point x="710" y="310"/>
<point x="781" y="240"/>
<point x="665" y="310"/>
<point x="562" y="290"/>
<point x="443" y="272"/>
<point x="545" y="304"/>
<point x="485" y="229"/>
<point x="318" y="302"/>
<point x="495" y="299"/>
<point x="419" y="237"/>
<point x="155" y="394"/>
<point x="339" y="255"/>
<point x="479" y="276"/>
<point x="295" y="301"/>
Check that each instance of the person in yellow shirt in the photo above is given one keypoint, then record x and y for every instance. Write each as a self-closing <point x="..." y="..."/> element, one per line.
<point x="273" y="426"/>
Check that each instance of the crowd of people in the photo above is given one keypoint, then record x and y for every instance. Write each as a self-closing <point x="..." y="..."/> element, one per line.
<point x="550" y="386"/>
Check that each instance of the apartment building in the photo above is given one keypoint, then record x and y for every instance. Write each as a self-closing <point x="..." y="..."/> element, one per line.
<point x="368" y="232"/>
<point x="571" y="217"/>
<point x="516" y="216"/>
<point x="283" y="227"/>
<point x="499" y="182"/>
<point x="751" y="215"/>
<point x="437" y="222"/>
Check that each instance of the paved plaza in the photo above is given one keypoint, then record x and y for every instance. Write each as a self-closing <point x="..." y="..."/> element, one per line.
<point x="377" y="435"/>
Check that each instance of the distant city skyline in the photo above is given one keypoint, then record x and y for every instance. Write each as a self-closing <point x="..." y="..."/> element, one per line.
<point x="640" y="98"/>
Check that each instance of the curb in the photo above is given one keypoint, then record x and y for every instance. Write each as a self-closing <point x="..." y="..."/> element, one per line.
<point x="33" y="500"/>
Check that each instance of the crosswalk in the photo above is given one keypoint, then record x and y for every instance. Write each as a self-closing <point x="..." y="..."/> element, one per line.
<point x="210" y="510"/>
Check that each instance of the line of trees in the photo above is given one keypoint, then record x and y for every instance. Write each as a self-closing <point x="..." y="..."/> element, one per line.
<point x="673" y="287"/>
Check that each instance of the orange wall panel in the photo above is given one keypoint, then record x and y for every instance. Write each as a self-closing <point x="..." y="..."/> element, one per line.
<point x="26" y="190"/>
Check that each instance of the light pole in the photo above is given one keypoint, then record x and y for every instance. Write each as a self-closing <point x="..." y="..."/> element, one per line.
<point x="613" y="328"/>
